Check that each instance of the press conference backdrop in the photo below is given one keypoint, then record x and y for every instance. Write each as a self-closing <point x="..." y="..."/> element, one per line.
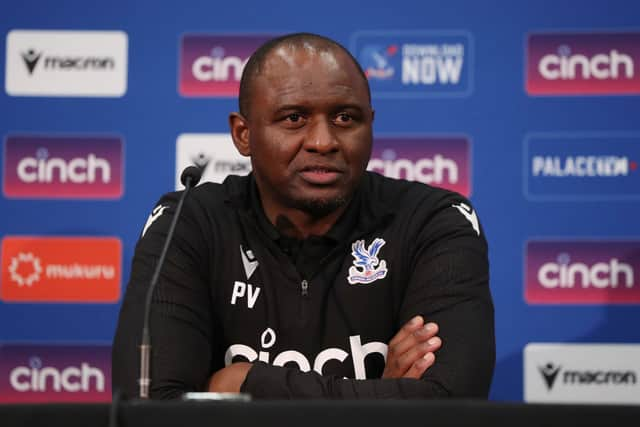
<point x="529" y="108"/>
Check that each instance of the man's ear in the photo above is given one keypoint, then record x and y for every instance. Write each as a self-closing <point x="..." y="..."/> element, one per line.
<point x="240" y="133"/>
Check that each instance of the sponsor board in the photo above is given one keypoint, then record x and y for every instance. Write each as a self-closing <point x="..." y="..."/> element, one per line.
<point x="211" y="64"/>
<point x="442" y="161"/>
<point x="581" y="166"/>
<point x="66" y="63"/>
<point x="214" y="153"/>
<point x="43" y="373"/>
<point x="582" y="373"/>
<point x="582" y="272"/>
<point x="597" y="63"/>
<point x="410" y="64"/>
<point x="61" y="269"/>
<point x="68" y="167"/>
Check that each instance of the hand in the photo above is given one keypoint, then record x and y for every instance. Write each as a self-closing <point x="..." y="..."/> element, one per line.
<point x="411" y="350"/>
<point x="230" y="378"/>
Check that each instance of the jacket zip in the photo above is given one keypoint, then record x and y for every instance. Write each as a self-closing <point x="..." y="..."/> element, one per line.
<point x="304" y="301"/>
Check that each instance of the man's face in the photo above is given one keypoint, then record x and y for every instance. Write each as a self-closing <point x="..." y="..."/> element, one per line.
<point x="309" y="126"/>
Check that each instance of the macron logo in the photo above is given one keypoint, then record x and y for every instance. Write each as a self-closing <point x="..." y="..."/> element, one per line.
<point x="242" y="289"/>
<point x="155" y="214"/>
<point x="31" y="58"/>
<point x="549" y="373"/>
<point x="249" y="262"/>
<point x="470" y="215"/>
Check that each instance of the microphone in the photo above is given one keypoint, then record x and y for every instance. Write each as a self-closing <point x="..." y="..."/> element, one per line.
<point x="189" y="178"/>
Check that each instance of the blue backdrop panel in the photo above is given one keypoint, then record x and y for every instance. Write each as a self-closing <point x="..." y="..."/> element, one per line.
<point x="491" y="109"/>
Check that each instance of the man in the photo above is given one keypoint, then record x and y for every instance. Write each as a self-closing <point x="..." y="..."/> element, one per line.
<point x="311" y="275"/>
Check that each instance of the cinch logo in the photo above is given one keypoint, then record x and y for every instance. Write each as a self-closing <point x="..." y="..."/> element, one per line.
<point x="439" y="161"/>
<point x="410" y="64"/>
<point x="66" y="63"/>
<point x="566" y="66"/>
<point x="582" y="272"/>
<point x="214" y="153"/>
<point x="268" y="338"/>
<point x="63" y="167"/>
<point x="211" y="65"/>
<point x="565" y="274"/>
<point x="582" y="166"/>
<point x="583" y="63"/>
<point x="59" y="269"/>
<point x="37" y="377"/>
<point x="43" y="373"/>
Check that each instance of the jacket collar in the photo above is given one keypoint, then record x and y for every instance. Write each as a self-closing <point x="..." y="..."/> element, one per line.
<point x="367" y="210"/>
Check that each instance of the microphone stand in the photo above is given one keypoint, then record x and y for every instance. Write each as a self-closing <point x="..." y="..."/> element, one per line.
<point x="189" y="178"/>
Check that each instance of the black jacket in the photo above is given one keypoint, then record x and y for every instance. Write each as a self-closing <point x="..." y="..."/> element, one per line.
<point x="230" y="292"/>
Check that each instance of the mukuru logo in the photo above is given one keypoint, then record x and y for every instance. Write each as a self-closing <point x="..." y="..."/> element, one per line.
<point x="60" y="269"/>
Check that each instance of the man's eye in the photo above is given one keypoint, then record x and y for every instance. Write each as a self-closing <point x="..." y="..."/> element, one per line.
<point x="294" y="117"/>
<point x="293" y="120"/>
<point x="344" y="118"/>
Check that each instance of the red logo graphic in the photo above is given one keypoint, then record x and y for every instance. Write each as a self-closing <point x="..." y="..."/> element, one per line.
<point x="61" y="269"/>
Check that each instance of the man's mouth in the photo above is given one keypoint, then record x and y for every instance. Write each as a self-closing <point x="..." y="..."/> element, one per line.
<point x="320" y="174"/>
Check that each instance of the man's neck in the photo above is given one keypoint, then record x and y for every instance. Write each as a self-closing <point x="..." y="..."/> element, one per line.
<point x="300" y="224"/>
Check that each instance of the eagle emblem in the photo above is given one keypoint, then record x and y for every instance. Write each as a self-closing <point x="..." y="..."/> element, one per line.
<point x="367" y="267"/>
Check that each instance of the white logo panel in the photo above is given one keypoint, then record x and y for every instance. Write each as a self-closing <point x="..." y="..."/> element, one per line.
<point x="66" y="63"/>
<point x="582" y="373"/>
<point x="213" y="152"/>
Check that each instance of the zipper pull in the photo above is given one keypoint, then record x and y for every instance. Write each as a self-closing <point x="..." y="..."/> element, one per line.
<point x="304" y="287"/>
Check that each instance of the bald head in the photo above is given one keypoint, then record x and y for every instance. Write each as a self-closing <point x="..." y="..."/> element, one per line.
<point x="312" y="43"/>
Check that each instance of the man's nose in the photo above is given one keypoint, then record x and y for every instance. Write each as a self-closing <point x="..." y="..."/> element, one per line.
<point x="320" y="138"/>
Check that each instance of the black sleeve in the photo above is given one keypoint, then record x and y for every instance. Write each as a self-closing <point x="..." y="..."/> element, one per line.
<point x="180" y="321"/>
<point x="449" y="284"/>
